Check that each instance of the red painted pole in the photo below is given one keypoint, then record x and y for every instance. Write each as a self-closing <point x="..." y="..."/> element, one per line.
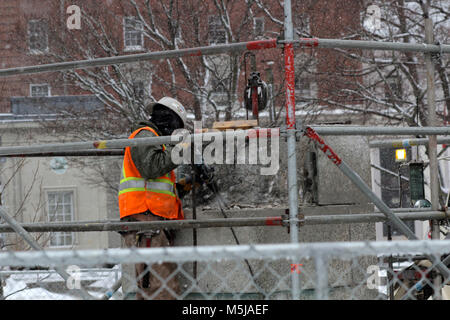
<point x="290" y="85"/>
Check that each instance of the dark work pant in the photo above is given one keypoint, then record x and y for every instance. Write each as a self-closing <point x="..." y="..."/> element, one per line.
<point x="148" y="283"/>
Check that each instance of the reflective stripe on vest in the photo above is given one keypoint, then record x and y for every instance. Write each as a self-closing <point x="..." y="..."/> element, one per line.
<point x="139" y="184"/>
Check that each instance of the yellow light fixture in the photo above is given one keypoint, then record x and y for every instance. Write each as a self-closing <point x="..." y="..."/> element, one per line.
<point x="400" y="155"/>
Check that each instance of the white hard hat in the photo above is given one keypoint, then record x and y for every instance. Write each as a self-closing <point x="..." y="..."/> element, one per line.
<point x="176" y="107"/>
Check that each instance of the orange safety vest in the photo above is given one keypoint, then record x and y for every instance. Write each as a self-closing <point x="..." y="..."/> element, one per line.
<point x="137" y="195"/>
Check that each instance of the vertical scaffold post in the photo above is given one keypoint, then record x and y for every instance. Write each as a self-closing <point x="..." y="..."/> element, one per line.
<point x="291" y="138"/>
<point x="432" y="144"/>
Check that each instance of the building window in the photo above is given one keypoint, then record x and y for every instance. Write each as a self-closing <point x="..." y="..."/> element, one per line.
<point x="39" y="90"/>
<point x="219" y="91"/>
<point x="139" y="89"/>
<point x="258" y="25"/>
<point x="393" y="88"/>
<point x="305" y="83"/>
<point x="219" y="86"/>
<point x="37" y="36"/>
<point x="60" y="209"/>
<point x="394" y="193"/>
<point x="216" y="31"/>
<point x="303" y="87"/>
<point x="133" y="35"/>
<point x="302" y="24"/>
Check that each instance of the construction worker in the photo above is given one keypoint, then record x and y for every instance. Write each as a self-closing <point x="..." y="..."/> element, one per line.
<point x="148" y="192"/>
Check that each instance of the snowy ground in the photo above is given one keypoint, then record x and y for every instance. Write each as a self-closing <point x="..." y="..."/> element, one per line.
<point x="47" y="285"/>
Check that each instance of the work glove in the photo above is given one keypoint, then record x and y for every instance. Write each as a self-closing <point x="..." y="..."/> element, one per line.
<point x="203" y="175"/>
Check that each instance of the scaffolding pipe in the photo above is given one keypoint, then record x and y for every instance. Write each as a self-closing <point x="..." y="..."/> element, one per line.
<point x="87" y="153"/>
<point x="360" y="184"/>
<point x="389" y="172"/>
<point x="364" y="188"/>
<point x="331" y="250"/>
<point x="224" y="48"/>
<point x="157" y="55"/>
<point x="289" y="70"/>
<point x="370" y="45"/>
<point x="406" y="143"/>
<point x="373" y="131"/>
<point x="274" y="221"/>
<point x="432" y="143"/>
<point x="100" y="145"/>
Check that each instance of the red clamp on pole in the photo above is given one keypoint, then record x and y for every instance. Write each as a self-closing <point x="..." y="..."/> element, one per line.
<point x="312" y="134"/>
<point x="262" y="44"/>
<point x="274" y="221"/>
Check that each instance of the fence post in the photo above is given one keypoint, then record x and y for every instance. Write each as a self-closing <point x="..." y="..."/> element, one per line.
<point x="321" y="264"/>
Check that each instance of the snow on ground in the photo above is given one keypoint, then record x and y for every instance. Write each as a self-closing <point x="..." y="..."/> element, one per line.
<point x="47" y="285"/>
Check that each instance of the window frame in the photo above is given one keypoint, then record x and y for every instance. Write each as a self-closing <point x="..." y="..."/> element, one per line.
<point x="261" y="33"/>
<point x="394" y="84"/>
<point x="138" y="85"/>
<point x="33" y="85"/>
<point x="132" y="47"/>
<point x="305" y="69"/>
<point x="300" y="91"/>
<point x="215" y="83"/>
<point x="216" y="30"/>
<point x="71" y="190"/>
<point x="305" y="25"/>
<point x="34" y="50"/>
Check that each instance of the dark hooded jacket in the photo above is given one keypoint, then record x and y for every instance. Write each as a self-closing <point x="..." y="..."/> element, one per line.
<point x="151" y="161"/>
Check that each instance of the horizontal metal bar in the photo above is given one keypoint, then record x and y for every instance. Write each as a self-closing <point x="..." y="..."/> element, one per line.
<point x="123" y="143"/>
<point x="370" y="45"/>
<point x="50" y="271"/>
<point x="223" y="48"/>
<point x="371" y="217"/>
<point x="405" y="143"/>
<point x="115" y="225"/>
<point x="338" y="130"/>
<point x="388" y="172"/>
<point x="340" y="250"/>
<point x="113" y="144"/>
<point x="87" y="153"/>
<point x="156" y="55"/>
<point x="131" y="226"/>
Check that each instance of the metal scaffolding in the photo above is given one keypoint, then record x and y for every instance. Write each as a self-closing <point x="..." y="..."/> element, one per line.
<point x="293" y="127"/>
<point x="275" y="221"/>
<point x="112" y="147"/>
<point x="332" y="250"/>
<point x="405" y="143"/>
<point x="229" y="47"/>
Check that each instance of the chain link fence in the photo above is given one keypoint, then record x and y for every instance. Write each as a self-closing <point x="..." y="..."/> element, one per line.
<point x="339" y="270"/>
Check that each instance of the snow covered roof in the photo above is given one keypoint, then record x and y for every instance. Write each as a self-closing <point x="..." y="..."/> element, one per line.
<point x="27" y="106"/>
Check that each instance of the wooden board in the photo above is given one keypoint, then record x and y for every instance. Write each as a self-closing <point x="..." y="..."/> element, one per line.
<point x="235" y="124"/>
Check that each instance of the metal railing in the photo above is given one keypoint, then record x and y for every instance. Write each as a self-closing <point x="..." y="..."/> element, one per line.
<point x="273" y="221"/>
<point x="357" y="271"/>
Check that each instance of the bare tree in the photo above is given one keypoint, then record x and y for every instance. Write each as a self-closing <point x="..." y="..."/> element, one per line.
<point x="207" y="85"/>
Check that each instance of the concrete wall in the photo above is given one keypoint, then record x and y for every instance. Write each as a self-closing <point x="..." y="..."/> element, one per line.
<point x="335" y="195"/>
<point x="273" y="276"/>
